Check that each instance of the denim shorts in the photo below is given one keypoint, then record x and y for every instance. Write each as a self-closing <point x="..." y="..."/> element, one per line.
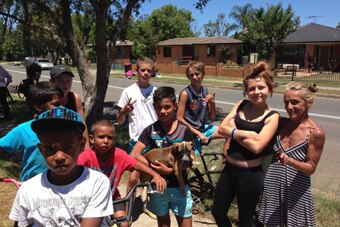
<point x="208" y="131"/>
<point x="172" y="198"/>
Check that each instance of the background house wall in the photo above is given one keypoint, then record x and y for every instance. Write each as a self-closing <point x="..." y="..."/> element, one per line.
<point x="217" y="69"/>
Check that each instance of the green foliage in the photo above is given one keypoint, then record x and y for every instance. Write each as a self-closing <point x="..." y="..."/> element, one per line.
<point x="164" y="23"/>
<point x="267" y="27"/>
<point x="220" y="27"/>
<point x="242" y="14"/>
<point x="226" y="53"/>
<point x="91" y="55"/>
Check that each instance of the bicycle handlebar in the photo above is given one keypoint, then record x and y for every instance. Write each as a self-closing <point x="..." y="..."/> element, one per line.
<point x="130" y="198"/>
<point x="11" y="180"/>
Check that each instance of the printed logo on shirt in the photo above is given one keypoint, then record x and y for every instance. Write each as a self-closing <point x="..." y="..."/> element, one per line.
<point x="193" y="105"/>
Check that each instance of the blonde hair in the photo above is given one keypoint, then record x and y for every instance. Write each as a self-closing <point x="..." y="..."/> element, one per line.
<point x="146" y="60"/>
<point x="307" y="91"/>
<point x="260" y="70"/>
<point x="196" y="65"/>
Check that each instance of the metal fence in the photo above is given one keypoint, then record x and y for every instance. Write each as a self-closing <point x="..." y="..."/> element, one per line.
<point x="323" y="77"/>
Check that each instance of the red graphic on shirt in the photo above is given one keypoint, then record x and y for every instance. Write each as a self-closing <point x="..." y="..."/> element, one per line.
<point x="193" y="105"/>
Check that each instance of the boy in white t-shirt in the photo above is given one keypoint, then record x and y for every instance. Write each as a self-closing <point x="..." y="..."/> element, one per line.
<point x="136" y="101"/>
<point x="66" y="194"/>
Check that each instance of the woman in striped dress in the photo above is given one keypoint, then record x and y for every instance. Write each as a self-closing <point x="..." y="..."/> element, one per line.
<point x="287" y="198"/>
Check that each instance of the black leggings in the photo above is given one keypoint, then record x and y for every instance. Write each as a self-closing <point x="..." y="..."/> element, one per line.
<point x="246" y="185"/>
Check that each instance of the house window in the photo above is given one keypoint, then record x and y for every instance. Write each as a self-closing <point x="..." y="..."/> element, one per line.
<point x="188" y="51"/>
<point x="211" y="51"/>
<point x="121" y="52"/>
<point x="167" y="52"/>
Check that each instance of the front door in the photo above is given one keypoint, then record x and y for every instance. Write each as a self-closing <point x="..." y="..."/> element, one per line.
<point x="324" y="52"/>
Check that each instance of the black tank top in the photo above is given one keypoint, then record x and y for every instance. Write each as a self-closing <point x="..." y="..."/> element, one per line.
<point x="71" y="101"/>
<point x="236" y="150"/>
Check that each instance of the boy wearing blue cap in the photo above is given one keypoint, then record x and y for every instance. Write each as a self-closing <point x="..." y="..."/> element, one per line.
<point x="42" y="96"/>
<point x="66" y="194"/>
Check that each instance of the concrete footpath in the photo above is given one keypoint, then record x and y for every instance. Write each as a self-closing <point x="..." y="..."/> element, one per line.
<point x="145" y="220"/>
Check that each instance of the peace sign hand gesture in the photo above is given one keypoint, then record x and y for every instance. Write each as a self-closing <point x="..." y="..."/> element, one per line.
<point x="128" y="106"/>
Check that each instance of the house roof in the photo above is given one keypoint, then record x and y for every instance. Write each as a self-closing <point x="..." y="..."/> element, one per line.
<point x="197" y="41"/>
<point x="313" y="33"/>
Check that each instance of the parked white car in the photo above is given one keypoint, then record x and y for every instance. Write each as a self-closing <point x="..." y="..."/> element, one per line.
<point x="44" y="63"/>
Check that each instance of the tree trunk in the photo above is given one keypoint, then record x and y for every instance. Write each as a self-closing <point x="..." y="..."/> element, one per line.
<point x="77" y="56"/>
<point x="95" y="106"/>
<point x="26" y="29"/>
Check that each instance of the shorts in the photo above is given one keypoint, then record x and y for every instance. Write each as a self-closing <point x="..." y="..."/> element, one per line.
<point x="172" y="198"/>
<point x="208" y="131"/>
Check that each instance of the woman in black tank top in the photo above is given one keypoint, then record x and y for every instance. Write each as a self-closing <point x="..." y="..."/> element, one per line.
<point x="250" y="124"/>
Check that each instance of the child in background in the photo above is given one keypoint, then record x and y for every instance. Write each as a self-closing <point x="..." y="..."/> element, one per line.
<point x="196" y="107"/>
<point x="163" y="133"/>
<point x="136" y="101"/>
<point x="62" y="76"/>
<point x="105" y="157"/>
<point x="66" y="194"/>
<point x="42" y="96"/>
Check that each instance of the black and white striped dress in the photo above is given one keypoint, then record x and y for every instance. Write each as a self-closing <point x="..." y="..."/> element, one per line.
<point x="287" y="199"/>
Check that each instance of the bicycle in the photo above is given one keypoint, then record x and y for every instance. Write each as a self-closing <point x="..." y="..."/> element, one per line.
<point x="129" y="198"/>
<point x="201" y="184"/>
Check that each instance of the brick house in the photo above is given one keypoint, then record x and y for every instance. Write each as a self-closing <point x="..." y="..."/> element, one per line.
<point x="207" y="50"/>
<point x="319" y="41"/>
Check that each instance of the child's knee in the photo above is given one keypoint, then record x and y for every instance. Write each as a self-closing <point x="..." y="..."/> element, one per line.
<point x="134" y="178"/>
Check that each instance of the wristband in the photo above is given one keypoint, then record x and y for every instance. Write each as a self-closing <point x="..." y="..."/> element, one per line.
<point x="233" y="132"/>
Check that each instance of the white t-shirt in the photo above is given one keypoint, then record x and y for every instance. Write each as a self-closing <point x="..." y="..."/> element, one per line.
<point x="44" y="204"/>
<point x="143" y="113"/>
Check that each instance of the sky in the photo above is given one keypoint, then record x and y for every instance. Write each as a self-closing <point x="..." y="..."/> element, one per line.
<point x="326" y="12"/>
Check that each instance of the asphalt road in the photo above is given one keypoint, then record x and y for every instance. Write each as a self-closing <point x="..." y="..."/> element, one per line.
<point x="325" y="111"/>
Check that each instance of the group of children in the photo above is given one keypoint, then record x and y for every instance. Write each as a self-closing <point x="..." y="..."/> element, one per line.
<point x="60" y="186"/>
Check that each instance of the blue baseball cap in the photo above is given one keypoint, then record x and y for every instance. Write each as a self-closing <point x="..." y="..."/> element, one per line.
<point x="61" y="116"/>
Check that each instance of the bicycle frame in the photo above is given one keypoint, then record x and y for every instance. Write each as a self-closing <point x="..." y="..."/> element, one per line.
<point x="10" y="180"/>
<point x="129" y="198"/>
<point x="200" y="188"/>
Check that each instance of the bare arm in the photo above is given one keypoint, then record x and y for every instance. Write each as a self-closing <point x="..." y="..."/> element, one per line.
<point x="126" y="109"/>
<point x="226" y="128"/>
<point x="258" y="144"/>
<point x="156" y="178"/>
<point x="210" y="99"/>
<point x="315" y="147"/>
<point x="89" y="222"/>
<point x="137" y="154"/>
<point x="180" y="116"/>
